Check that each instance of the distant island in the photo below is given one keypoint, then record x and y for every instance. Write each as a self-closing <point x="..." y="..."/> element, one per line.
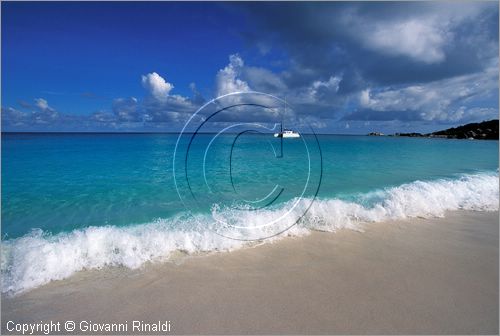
<point x="486" y="130"/>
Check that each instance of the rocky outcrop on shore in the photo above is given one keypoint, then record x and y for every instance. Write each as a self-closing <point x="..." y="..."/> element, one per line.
<point x="486" y="130"/>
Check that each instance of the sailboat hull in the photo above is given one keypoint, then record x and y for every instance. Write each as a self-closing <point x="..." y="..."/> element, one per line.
<point x="286" y="135"/>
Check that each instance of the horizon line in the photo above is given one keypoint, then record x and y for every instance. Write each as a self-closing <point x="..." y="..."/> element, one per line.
<point x="163" y="132"/>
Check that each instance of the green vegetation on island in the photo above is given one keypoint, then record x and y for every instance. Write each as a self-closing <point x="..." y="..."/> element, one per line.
<point x="486" y="130"/>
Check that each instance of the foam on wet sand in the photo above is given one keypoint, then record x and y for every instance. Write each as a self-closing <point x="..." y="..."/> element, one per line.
<point x="405" y="277"/>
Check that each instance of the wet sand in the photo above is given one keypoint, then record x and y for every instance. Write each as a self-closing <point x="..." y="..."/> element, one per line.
<point x="417" y="276"/>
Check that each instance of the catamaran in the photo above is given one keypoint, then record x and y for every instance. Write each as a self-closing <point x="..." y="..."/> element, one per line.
<point x="287" y="133"/>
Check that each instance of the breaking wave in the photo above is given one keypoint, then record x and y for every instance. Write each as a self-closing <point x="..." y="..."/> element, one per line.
<point x="39" y="257"/>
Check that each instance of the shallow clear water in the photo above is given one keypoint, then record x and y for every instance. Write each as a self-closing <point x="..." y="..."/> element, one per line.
<point x="59" y="182"/>
<point x="84" y="201"/>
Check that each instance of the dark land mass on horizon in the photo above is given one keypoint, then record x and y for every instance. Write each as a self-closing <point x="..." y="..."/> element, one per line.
<point x="486" y="130"/>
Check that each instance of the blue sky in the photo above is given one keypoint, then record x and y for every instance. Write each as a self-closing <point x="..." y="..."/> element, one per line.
<point x="344" y="67"/>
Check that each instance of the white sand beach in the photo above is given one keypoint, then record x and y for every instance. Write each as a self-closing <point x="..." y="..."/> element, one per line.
<point x="419" y="276"/>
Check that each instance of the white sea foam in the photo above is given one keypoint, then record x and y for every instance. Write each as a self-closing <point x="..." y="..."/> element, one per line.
<point x="37" y="258"/>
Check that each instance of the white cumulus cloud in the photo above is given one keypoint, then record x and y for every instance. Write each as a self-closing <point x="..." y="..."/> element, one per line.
<point x="42" y="105"/>
<point x="227" y="79"/>
<point x="160" y="105"/>
<point x="423" y="36"/>
<point x="421" y="40"/>
<point x="157" y="86"/>
<point x="436" y="100"/>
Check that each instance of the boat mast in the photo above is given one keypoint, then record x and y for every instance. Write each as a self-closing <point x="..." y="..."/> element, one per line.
<point x="282" y="117"/>
<point x="281" y="140"/>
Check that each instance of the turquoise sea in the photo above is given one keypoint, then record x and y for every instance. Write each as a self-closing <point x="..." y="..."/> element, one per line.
<point x="80" y="201"/>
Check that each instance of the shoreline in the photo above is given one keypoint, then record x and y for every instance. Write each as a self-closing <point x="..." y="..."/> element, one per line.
<point x="412" y="276"/>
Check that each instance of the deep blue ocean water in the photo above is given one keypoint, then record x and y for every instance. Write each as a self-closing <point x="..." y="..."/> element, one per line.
<point x="59" y="189"/>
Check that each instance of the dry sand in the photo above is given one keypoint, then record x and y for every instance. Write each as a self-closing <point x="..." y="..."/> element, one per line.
<point x="408" y="277"/>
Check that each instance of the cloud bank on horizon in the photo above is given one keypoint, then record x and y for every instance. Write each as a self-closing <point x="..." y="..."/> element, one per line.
<point x="344" y="67"/>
